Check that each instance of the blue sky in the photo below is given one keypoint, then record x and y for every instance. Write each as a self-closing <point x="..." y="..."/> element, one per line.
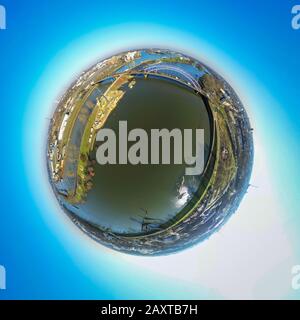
<point x="252" y="44"/>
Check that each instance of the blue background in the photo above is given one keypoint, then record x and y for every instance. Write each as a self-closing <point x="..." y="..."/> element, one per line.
<point x="256" y="34"/>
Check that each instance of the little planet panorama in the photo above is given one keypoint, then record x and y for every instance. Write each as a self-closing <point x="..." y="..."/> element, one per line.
<point x="126" y="144"/>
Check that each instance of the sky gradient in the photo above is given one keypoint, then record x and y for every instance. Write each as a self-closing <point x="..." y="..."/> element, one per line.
<point x="252" y="45"/>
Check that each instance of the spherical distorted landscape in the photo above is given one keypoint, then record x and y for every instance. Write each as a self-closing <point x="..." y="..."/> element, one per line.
<point x="149" y="208"/>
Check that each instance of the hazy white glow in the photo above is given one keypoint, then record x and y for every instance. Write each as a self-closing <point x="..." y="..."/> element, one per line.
<point x="183" y="196"/>
<point x="250" y="257"/>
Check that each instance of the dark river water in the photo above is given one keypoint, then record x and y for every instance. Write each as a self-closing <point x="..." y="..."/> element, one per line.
<point x="125" y="198"/>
